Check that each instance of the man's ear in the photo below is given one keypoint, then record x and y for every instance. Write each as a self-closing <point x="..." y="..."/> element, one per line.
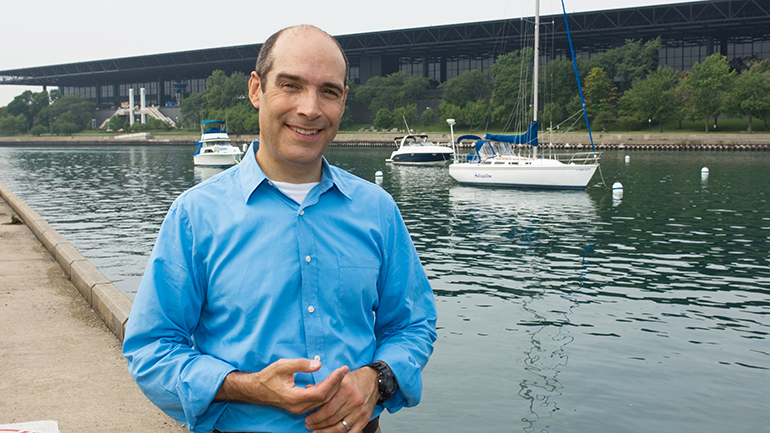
<point x="255" y="89"/>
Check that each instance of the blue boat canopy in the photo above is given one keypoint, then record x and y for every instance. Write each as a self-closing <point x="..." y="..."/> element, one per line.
<point x="468" y="137"/>
<point x="529" y="137"/>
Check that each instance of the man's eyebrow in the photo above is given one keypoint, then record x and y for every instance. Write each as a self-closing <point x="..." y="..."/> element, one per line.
<point x="292" y="77"/>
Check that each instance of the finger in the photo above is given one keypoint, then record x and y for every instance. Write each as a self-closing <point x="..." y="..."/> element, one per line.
<point x="332" y="383"/>
<point x="339" y="427"/>
<point x="300" y="365"/>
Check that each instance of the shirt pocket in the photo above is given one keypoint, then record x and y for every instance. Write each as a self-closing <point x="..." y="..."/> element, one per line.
<point x="357" y="287"/>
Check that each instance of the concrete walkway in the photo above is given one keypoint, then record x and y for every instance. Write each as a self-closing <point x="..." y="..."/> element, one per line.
<point x="58" y="360"/>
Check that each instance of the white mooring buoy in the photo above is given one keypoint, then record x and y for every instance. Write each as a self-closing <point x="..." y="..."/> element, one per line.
<point x="378" y="177"/>
<point x="617" y="190"/>
<point x="628" y="159"/>
<point x="704" y="171"/>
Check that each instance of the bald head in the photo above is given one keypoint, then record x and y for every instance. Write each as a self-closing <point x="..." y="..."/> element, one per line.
<point x="266" y="59"/>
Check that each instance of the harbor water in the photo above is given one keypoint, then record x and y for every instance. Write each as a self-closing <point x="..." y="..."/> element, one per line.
<point x="559" y="311"/>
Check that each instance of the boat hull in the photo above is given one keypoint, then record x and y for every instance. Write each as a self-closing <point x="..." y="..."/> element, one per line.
<point x="217" y="159"/>
<point x="529" y="176"/>
<point x="437" y="157"/>
<point x="421" y="159"/>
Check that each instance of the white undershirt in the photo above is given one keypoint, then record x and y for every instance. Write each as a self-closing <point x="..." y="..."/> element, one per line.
<point x="297" y="191"/>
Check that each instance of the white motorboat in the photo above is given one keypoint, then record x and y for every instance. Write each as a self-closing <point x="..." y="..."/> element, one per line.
<point x="215" y="149"/>
<point x="512" y="160"/>
<point x="417" y="150"/>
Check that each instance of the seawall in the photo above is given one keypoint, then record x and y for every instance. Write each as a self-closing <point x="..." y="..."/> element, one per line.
<point x="109" y="303"/>
<point x="574" y="141"/>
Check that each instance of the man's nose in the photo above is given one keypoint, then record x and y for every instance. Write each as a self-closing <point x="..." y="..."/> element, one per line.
<point x="309" y="104"/>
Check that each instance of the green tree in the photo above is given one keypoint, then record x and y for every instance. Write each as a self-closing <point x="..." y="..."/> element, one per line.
<point x="558" y="87"/>
<point x="599" y="92"/>
<point x="512" y="88"/>
<point x="705" y="88"/>
<point x="474" y="114"/>
<point x="383" y="119"/>
<point x="114" y="124"/>
<point x="20" y="106"/>
<point x="12" y="125"/>
<point x="391" y="91"/>
<point x="451" y="111"/>
<point x="38" y="130"/>
<point x="653" y="98"/>
<point x="223" y="92"/>
<point x="347" y="119"/>
<point x="28" y="104"/>
<point x="240" y="117"/>
<point x="69" y="109"/>
<point x="428" y="117"/>
<point x="406" y="113"/>
<point x="470" y="86"/>
<point x="629" y="62"/>
<point x="67" y="123"/>
<point x="749" y="94"/>
<point x="192" y="109"/>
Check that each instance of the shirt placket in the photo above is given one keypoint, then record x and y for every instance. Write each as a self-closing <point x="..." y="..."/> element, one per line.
<point x="311" y="311"/>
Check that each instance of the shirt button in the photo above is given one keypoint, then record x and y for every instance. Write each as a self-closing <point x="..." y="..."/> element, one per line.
<point x="317" y="358"/>
<point x="302" y="212"/>
<point x="310" y="309"/>
<point x="307" y="259"/>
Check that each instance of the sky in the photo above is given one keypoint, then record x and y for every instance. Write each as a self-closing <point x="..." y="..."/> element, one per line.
<point x="52" y="32"/>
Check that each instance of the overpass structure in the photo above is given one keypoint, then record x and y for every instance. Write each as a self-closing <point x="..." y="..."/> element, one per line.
<point x="738" y="29"/>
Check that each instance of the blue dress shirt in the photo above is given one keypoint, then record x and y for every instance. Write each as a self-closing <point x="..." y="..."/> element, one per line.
<point x="242" y="276"/>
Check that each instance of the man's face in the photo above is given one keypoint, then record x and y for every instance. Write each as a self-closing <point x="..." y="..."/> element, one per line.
<point x="300" y="102"/>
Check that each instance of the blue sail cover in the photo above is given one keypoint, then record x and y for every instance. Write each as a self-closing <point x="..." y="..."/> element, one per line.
<point x="529" y="137"/>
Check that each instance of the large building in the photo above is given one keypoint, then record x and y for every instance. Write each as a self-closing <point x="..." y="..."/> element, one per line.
<point x="738" y="29"/>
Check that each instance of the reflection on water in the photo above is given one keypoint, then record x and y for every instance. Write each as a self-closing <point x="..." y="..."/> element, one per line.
<point x="203" y="173"/>
<point x="559" y="311"/>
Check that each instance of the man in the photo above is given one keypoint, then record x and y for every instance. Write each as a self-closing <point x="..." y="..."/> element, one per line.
<point x="284" y="294"/>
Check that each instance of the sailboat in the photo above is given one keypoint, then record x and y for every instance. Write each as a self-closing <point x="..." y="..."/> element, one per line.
<point x="498" y="160"/>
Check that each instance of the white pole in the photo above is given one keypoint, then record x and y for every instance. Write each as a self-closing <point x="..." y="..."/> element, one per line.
<point x="142" y="99"/>
<point x="451" y="123"/>
<point x="130" y="106"/>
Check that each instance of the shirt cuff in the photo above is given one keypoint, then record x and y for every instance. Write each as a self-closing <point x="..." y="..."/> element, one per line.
<point x="198" y="385"/>
<point x="408" y="374"/>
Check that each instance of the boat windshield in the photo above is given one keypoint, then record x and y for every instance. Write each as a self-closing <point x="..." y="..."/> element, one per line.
<point x="493" y="148"/>
<point x="418" y="143"/>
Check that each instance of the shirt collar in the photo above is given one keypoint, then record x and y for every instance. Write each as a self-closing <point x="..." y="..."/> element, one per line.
<point x="250" y="175"/>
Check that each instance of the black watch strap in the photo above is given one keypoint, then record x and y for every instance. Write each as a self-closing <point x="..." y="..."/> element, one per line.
<point x="386" y="380"/>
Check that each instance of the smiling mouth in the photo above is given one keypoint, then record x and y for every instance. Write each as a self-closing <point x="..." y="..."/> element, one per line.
<point x="304" y="131"/>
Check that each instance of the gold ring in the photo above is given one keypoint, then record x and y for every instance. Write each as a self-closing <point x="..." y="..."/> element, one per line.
<point x="344" y="424"/>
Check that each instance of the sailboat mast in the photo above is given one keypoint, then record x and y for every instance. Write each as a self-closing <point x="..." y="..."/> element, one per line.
<point x="536" y="67"/>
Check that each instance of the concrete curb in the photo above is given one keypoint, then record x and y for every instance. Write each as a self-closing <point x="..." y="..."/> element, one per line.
<point x="109" y="303"/>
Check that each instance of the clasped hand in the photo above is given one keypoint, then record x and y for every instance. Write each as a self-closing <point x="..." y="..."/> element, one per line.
<point x="348" y="395"/>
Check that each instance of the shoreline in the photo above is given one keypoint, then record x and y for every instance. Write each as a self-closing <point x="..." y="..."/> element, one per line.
<point x="575" y="141"/>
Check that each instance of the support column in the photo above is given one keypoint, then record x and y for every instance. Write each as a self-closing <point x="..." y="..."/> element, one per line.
<point x="130" y="107"/>
<point x="143" y="100"/>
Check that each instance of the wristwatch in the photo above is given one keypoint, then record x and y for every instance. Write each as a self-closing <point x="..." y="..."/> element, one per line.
<point x="386" y="380"/>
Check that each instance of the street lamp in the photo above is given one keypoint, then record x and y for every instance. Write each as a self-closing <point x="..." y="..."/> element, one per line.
<point x="649" y="122"/>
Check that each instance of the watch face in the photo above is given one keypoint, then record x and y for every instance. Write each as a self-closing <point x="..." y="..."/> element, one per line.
<point x="390" y="383"/>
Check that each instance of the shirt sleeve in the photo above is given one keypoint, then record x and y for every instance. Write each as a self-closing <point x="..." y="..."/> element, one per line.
<point x="405" y="326"/>
<point x="158" y="342"/>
